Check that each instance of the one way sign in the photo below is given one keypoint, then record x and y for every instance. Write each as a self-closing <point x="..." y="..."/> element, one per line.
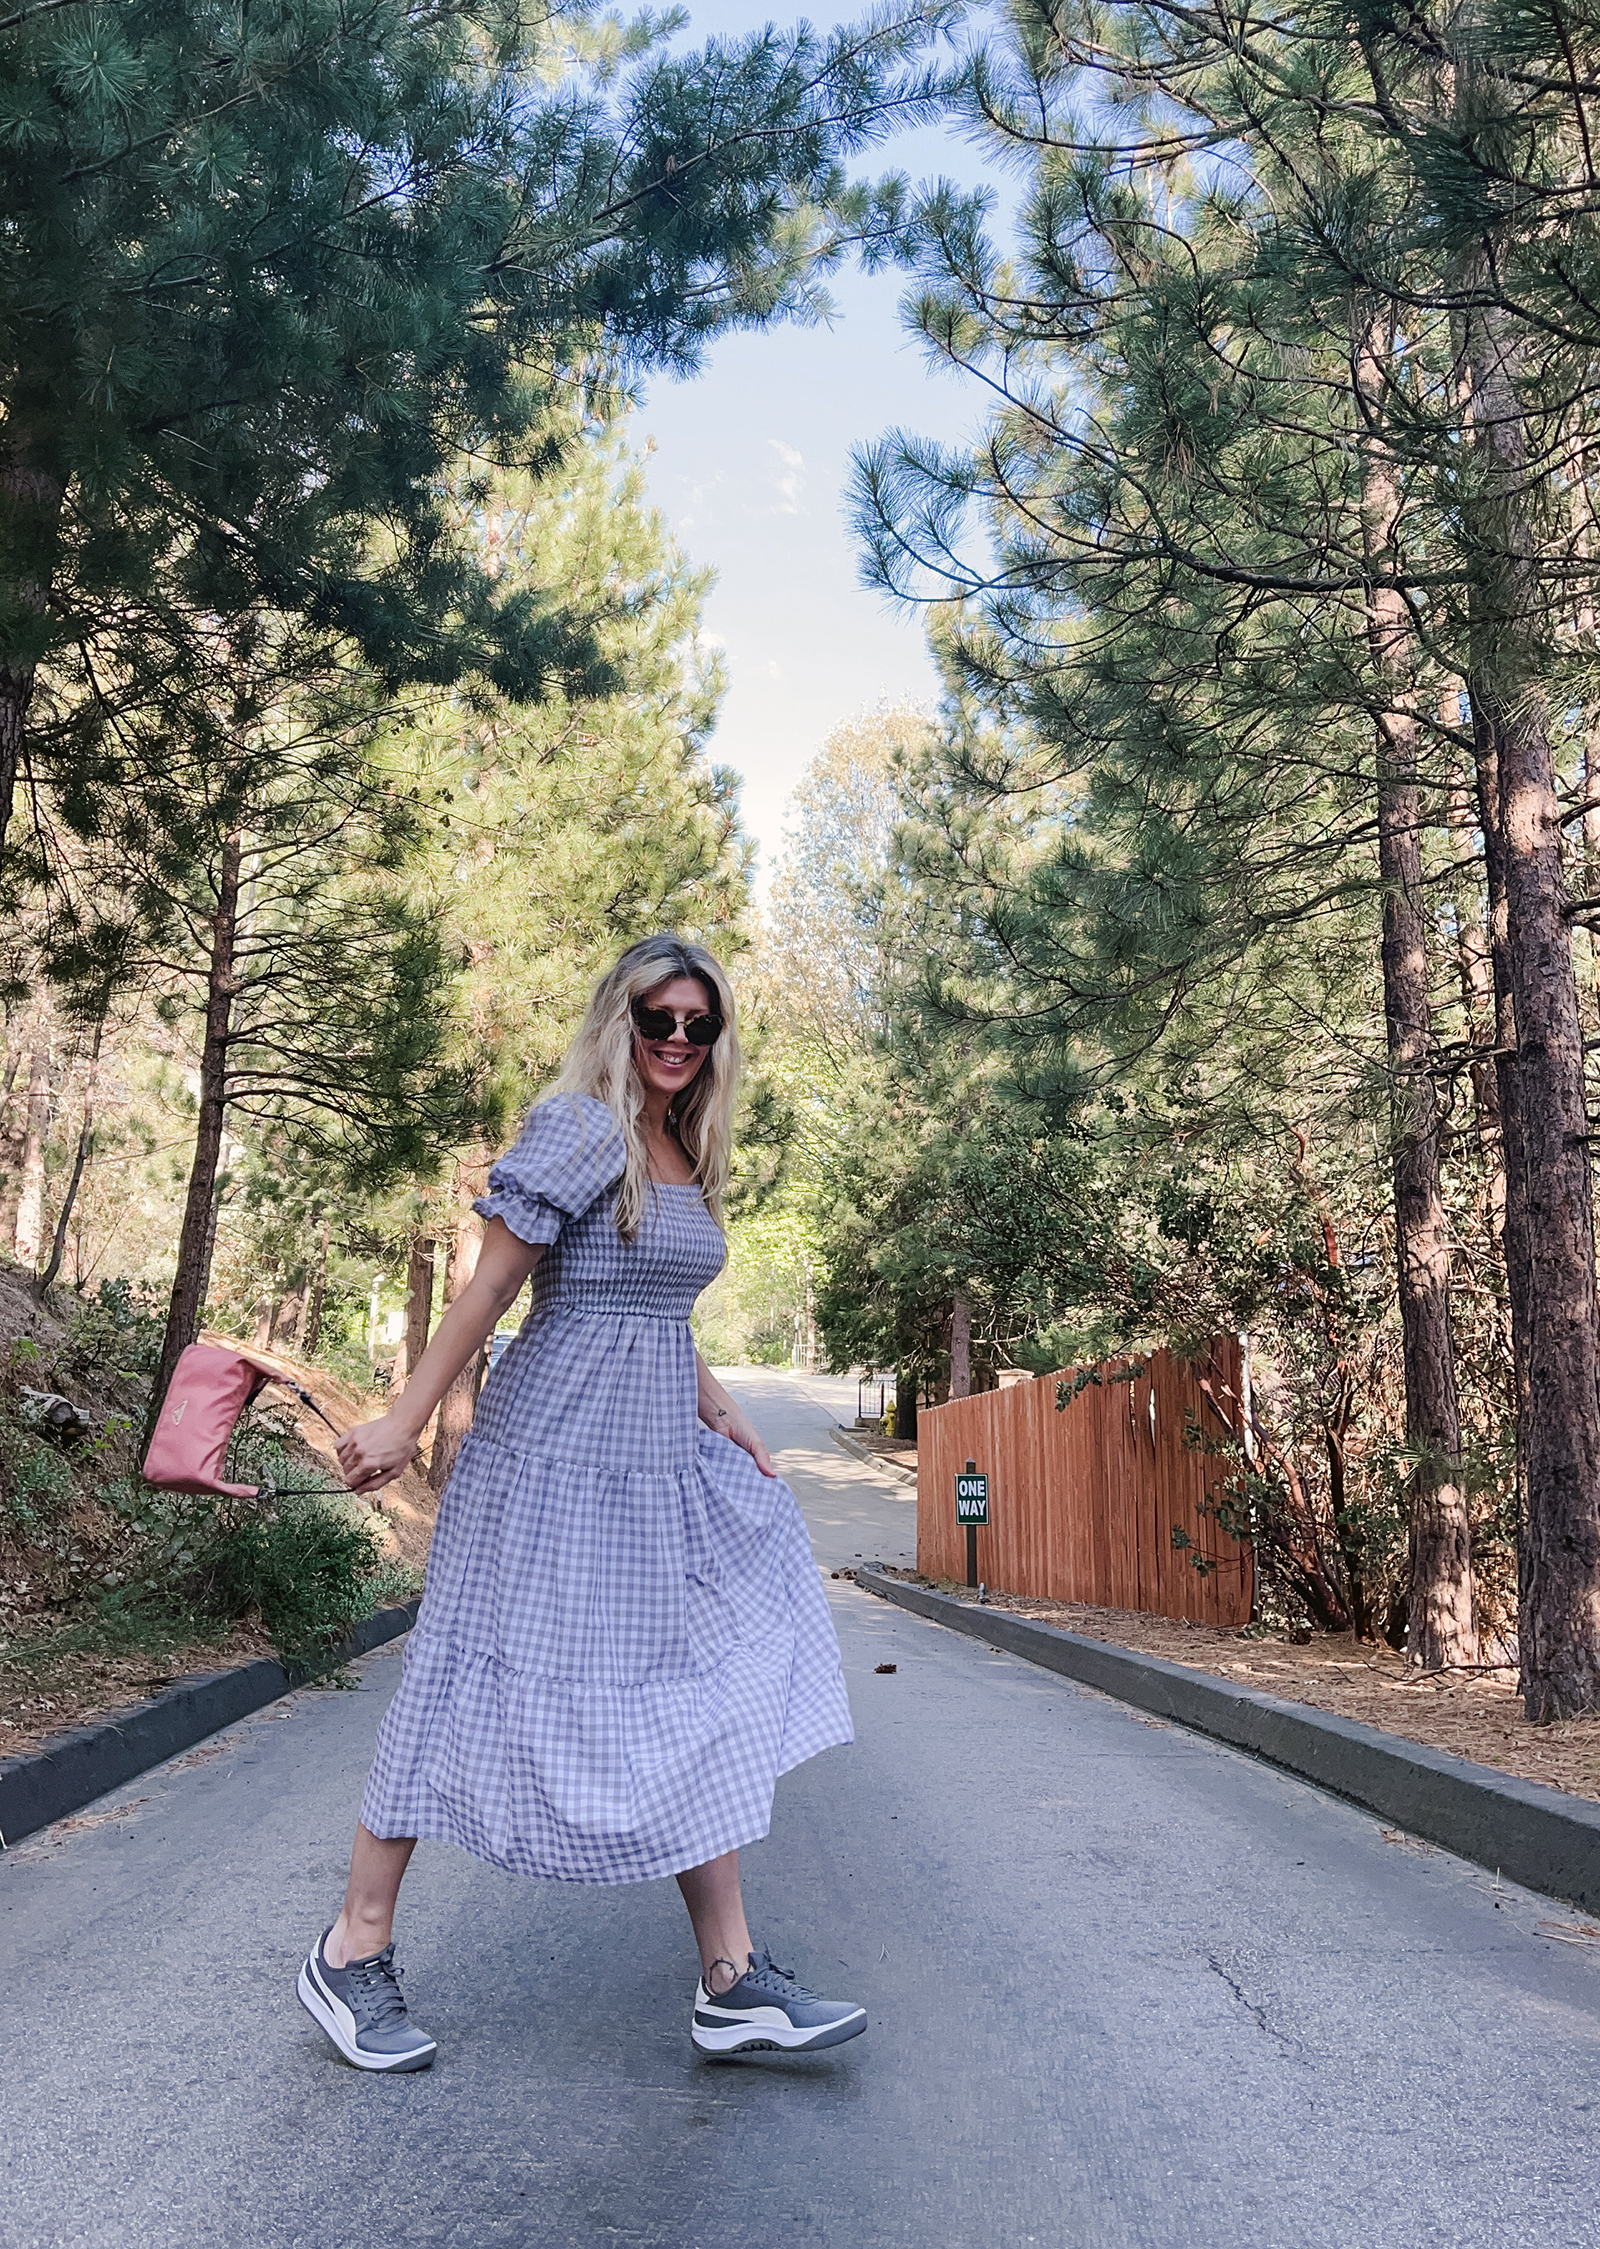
<point x="972" y="1499"/>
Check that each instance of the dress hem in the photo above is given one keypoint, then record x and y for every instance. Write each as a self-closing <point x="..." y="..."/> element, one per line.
<point x="436" y="1826"/>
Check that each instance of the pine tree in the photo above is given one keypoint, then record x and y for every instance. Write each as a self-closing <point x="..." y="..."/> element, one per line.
<point x="267" y="276"/>
<point x="254" y="891"/>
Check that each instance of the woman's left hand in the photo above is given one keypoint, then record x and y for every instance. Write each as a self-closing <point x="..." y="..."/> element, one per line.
<point x="739" y="1432"/>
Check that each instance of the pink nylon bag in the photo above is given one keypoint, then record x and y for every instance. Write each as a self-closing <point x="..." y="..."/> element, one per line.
<point x="209" y="1390"/>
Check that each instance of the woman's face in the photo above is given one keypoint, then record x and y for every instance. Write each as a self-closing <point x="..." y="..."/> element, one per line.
<point x="667" y="1065"/>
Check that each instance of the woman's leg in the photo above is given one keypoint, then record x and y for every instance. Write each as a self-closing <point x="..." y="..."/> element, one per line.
<point x="716" y="1907"/>
<point x="366" y="1922"/>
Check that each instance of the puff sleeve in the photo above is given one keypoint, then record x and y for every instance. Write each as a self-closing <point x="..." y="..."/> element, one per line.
<point x="570" y="1152"/>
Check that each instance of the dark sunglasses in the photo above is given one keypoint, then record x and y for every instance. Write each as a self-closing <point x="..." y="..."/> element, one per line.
<point x="659" y="1023"/>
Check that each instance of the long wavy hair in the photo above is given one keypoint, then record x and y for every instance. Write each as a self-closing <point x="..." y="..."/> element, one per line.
<point x="599" y="1062"/>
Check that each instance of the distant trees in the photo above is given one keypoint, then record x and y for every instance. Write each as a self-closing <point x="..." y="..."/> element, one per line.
<point x="827" y="907"/>
<point x="814" y="999"/>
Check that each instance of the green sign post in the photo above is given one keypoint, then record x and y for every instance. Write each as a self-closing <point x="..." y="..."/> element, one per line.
<point x="972" y="1512"/>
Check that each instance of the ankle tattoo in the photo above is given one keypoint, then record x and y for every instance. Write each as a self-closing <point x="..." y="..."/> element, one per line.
<point x="715" y="1987"/>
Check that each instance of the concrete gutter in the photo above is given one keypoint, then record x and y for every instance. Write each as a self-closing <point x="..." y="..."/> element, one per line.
<point x="1537" y="1836"/>
<point x="848" y="1441"/>
<point x="77" y="1767"/>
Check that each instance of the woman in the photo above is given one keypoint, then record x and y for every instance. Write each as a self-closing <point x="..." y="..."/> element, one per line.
<point x="624" y="1639"/>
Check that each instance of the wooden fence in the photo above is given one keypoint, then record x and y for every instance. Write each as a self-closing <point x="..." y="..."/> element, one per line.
<point x="1083" y="1502"/>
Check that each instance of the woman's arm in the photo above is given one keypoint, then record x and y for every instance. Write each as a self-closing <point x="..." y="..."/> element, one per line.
<point x="719" y="1413"/>
<point x="376" y="1452"/>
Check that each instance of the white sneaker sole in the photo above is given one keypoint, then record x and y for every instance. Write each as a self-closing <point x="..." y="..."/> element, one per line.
<point x="323" y="2015"/>
<point x="777" y="2037"/>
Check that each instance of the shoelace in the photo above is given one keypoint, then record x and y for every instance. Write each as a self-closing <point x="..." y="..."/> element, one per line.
<point x="766" y="1973"/>
<point x="377" y="1990"/>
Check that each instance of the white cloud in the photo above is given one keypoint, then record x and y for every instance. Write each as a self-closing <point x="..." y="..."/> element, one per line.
<point x="792" y="485"/>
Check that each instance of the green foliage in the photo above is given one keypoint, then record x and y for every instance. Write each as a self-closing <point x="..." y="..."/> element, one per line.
<point x="35" y="1482"/>
<point x="305" y="1562"/>
<point x="754" y="1314"/>
<point x="36" y="1485"/>
<point x="266" y="279"/>
<point x="305" y="1567"/>
<point x="339" y="988"/>
<point x="126" y="1566"/>
<point x="115" y="1335"/>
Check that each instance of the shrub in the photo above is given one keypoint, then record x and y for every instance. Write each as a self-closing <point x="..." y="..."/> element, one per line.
<point x="305" y="1565"/>
<point x="174" y="1566"/>
<point x="35" y="1481"/>
<point x="301" y="1555"/>
<point x="115" y="1334"/>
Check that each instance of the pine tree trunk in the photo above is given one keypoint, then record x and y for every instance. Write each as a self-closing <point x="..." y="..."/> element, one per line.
<point x="199" y="1211"/>
<point x="29" y="1237"/>
<point x="13" y="1133"/>
<point x="58" y="1248"/>
<point x="1559" y="1628"/>
<point x="961" y="1347"/>
<point x="1440" y="1626"/>
<point x="1439" y="1620"/>
<point x="1475" y="964"/>
<point x="31" y="493"/>
<point x="455" y="1407"/>
<point x="316" y="1290"/>
<point x="1508" y="1096"/>
<point x="419" y="1308"/>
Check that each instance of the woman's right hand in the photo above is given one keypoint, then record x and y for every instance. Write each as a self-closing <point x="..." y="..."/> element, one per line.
<point x="375" y="1453"/>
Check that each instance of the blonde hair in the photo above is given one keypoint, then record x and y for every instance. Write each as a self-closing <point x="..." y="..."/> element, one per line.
<point x="599" y="1062"/>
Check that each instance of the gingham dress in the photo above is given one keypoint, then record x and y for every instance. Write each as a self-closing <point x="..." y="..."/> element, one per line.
<point x="624" y="1639"/>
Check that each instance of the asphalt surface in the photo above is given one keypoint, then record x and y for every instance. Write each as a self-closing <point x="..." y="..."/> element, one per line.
<point x="1125" y="1987"/>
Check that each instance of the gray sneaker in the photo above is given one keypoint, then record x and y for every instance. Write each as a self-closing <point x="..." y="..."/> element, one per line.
<point x="363" y="2010"/>
<point x="767" y="2012"/>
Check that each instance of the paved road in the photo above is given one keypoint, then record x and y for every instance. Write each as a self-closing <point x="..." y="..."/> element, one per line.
<point x="1128" y="1990"/>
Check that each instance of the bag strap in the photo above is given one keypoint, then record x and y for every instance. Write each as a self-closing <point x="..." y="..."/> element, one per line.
<point x="285" y="1382"/>
<point x="306" y="1399"/>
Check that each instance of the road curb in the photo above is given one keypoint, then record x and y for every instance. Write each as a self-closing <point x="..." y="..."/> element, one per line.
<point x="81" y="1765"/>
<point x="858" y="1451"/>
<point x="1528" y="1833"/>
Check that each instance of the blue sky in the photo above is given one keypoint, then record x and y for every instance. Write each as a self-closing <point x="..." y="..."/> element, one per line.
<point x="749" y="470"/>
